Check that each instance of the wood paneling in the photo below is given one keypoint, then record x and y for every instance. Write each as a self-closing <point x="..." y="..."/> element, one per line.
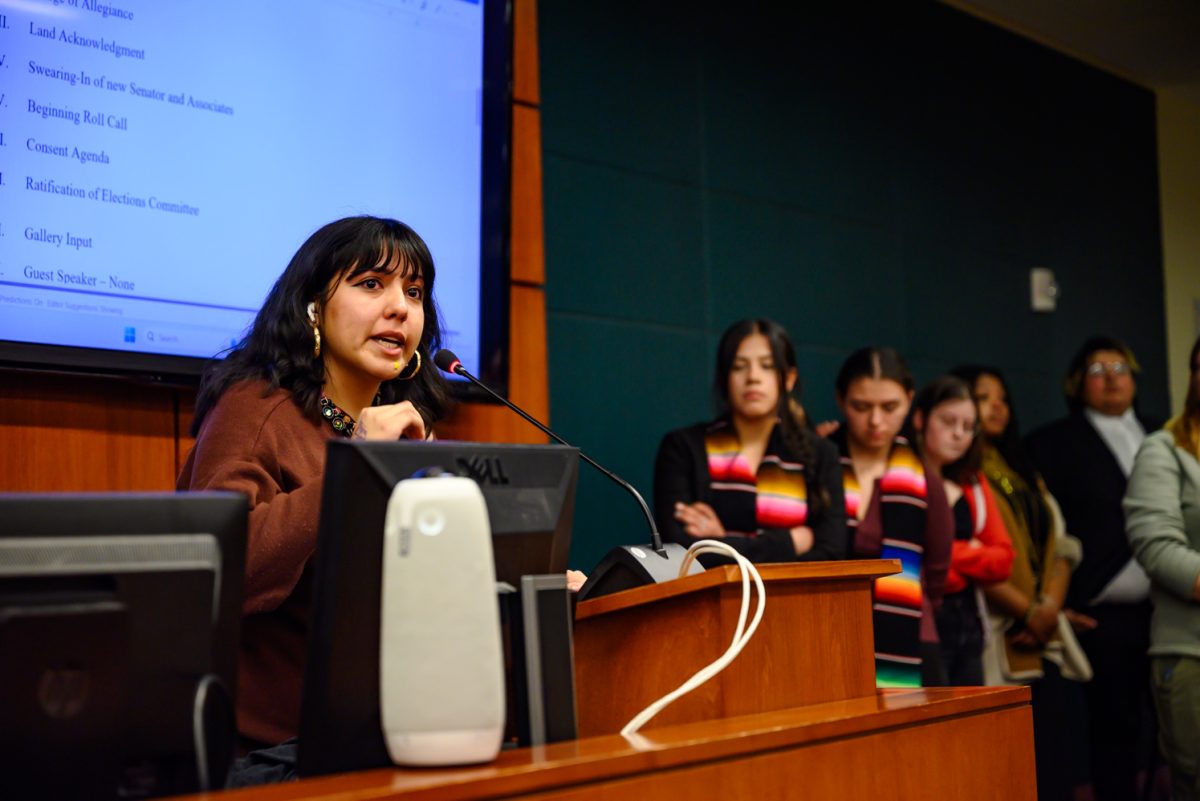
<point x="527" y="366"/>
<point x="935" y="743"/>
<point x="525" y="52"/>
<point x="186" y="413"/>
<point x="528" y="251"/>
<point x="68" y="433"/>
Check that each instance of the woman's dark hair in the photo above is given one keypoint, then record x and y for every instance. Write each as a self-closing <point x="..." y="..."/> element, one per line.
<point x="793" y="423"/>
<point x="1073" y="383"/>
<point x="872" y="362"/>
<point x="936" y="392"/>
<point x="1009" y="442"/>
<point x="279" y="345"/>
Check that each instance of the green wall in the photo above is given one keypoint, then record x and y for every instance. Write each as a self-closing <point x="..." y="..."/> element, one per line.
<point x="862" y="176"/>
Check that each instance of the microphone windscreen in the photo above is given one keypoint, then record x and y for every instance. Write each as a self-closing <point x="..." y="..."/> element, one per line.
<point x="445" y="360"/>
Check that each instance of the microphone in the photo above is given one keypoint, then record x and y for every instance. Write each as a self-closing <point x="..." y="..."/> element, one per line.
<point x="448" y="362"/>
<point x="616" y="571"/>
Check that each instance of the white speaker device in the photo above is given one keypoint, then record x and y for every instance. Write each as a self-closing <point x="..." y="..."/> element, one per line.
<point x="441" y="666"/>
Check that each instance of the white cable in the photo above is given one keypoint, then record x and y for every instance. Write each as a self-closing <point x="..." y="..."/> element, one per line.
<point x="741" y="634"/>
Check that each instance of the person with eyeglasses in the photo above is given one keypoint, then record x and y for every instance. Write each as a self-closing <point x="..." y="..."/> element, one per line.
<point x="1085" y="459"/>
<point x="944" y="426"/>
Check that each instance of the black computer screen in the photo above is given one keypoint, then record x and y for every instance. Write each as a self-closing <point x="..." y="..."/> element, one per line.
<point x="119" y="618"/>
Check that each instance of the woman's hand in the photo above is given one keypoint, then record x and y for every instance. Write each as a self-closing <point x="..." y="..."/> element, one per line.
<point x="391" y="422"/>
<point x="699" y="520"/>
<point x="802" y="539"/>
<point x="1079" y="621"/>
<point x="1042" y="620"/>
<point x="575" y="580"/>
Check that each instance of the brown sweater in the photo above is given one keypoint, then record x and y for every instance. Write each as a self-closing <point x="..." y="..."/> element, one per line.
<point x="268" y="449"/>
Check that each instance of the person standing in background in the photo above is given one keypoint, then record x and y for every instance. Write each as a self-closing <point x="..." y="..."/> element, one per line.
<point x="895" y="509"/>
<point x="944" y="423"/>
<point x="1027" y="647"/>
<point x="1162" y="519"/>
<point x="1085" y="459"/>
<point x="755" y="477"/>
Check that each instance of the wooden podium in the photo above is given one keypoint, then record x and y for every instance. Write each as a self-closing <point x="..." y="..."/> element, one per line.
<point x="796" y="715"/>
<point x="815" y="644"/>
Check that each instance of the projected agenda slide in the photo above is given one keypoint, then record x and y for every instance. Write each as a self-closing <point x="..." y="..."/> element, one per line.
<point x="161" y="162"/>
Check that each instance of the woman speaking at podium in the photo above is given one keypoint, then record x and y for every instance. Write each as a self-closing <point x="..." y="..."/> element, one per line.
<point x="341" y="348"/>
<point x="756" y="477"/>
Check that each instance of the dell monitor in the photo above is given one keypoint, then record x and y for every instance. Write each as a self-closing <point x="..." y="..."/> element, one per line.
<point x="119" y="617"/>
<point x="530" y="495"/>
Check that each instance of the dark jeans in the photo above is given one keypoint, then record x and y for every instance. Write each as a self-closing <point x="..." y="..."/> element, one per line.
<point x="1051" y="733"/>
<point x="1117" y="697"/>
<point x="961" y="633"/>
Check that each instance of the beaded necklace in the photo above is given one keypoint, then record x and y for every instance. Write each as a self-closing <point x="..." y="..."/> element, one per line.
<point x="341" y="422"/>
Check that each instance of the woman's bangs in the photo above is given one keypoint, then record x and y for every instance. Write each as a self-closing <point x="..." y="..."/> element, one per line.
<point x="387" y="256"/>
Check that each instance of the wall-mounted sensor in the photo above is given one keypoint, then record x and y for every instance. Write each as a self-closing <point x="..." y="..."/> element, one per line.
<point x="1043" y="289"/>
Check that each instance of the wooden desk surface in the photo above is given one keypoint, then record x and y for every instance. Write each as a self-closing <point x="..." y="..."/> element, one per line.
<point x="698" y="755"/>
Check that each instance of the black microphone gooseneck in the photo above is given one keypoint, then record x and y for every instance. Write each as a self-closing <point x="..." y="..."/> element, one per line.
<point x="448" y="362"/>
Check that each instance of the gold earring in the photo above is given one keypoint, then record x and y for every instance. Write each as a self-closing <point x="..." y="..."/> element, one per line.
<point x="415" y="370"/>
<point x="312" y="320"/>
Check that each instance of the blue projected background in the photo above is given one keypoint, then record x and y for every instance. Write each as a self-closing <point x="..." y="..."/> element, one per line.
<point x="160" y="162"/>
